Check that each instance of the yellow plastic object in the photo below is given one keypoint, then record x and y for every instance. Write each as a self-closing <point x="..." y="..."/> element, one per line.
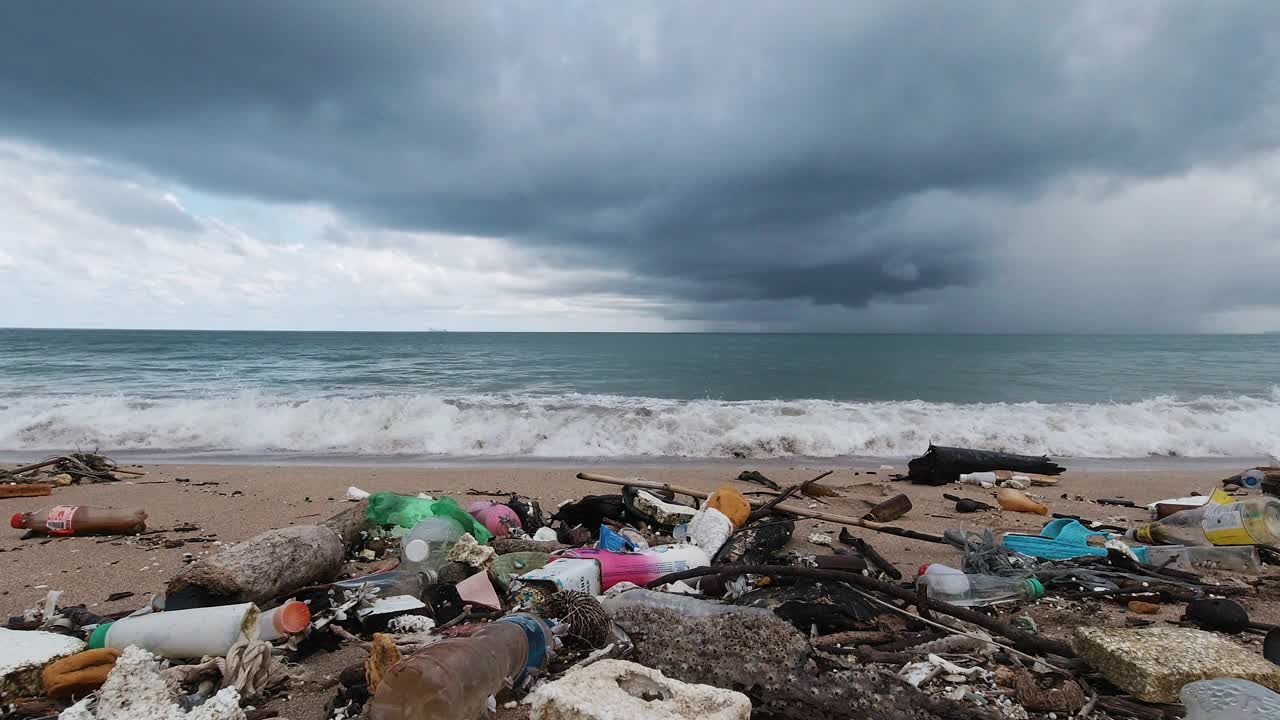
<point x="732" y="503"/>
<point x="1017" y="501"/>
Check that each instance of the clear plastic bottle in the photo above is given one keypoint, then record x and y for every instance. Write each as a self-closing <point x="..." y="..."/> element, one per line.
<point x="682" y="604"/>
<point x="1251" y="521"/>
<point x="949" y="585"/>
<point x="1229" y="699"/>
<point x="426" y="546"/>
<point x="393" y="582"/>
<point x="1240" y="558"/>
<point x="453" y="679"/>
<point x="82" y="520"/>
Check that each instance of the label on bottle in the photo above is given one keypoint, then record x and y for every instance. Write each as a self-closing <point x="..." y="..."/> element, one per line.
<point x="60" y="517"/>
<point x="1223" y="523"/>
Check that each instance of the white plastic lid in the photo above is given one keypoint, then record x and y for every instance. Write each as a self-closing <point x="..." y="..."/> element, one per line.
<point x="416" y="550"/>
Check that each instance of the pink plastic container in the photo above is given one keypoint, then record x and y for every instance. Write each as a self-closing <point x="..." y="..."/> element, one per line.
<point x="641" y="567"/>
<point x="492" y="515"/>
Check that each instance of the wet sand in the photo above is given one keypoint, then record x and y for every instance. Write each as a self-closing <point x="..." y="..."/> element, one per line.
<point x="228" y="503"/>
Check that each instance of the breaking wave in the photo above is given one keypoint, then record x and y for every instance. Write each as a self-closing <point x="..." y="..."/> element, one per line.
<point x="610" y="426"/>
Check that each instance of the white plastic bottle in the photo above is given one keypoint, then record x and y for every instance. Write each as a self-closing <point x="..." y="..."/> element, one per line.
<point x="1229" y="699"/>
<point x="952" y="586"/>
<point x="192" y="633"/>
<point x="426" y="547"/>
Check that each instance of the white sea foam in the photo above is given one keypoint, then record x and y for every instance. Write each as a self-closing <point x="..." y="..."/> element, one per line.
<point x="610" y="426"/>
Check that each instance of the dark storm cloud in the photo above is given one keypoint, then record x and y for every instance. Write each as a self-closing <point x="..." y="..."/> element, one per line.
<point x="715" y="152"/>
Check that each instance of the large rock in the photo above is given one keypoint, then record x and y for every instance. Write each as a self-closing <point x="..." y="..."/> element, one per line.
<point x="1154" y="663"/>
<point x="621" y="690"/>
<point x="23" y="654"/>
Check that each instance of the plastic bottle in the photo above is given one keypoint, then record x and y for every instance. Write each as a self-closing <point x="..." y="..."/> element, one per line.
<point x="1229" y="699"/>
<point x="1240" y="558"/>
<point x="181" y="633"/>
<point x="681" y="604"/>
<point x="426" y="547"/>
<point x="453" y="679"/>
<point x="290" y="618"/>
<point x="641" y="567"/>
<point x="82" y="520"/>
<point x="949" y="585"/>
<point x="394" y="582"/>
<point x="1250" y="521"/>
<point x="1018" y="501"/>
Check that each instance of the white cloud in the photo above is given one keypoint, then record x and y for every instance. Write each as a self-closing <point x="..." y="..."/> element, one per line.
<point x="82" y="248"/>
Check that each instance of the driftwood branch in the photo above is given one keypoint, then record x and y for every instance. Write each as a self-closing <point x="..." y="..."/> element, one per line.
<point x="1022" y="640"/>
<point x="802" y="512"/>
<point x="769" y="506"/>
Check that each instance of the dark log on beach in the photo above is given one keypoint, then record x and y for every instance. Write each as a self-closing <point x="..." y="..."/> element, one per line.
<point x="942" y="465"/>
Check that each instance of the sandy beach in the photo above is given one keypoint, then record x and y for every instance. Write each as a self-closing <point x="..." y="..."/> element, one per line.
<point x="228" y="503"/>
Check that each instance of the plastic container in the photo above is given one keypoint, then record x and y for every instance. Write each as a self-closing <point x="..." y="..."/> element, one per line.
<point x="641" y="567"/>
<point x="290" y="618"/>
<point x="191" y="633"/>
<point x="453" y="679"/>
<point x="949" y="585"/>
<point x="1018" y="501"/>
<point x="1223" y="521"/>
<point x="1229" y="699"/>
<point x="1239" y="558"/>
<point x="82" y="520"/>
<point x="426" y="547"/>
<point x="495" y="517"/>
<point x="682" y="604"/>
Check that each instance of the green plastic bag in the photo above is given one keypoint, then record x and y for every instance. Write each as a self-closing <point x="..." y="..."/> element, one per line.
<point x="405" y="510"/>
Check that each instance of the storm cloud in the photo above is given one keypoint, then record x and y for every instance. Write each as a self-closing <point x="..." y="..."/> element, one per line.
<point x="722" y="161"/>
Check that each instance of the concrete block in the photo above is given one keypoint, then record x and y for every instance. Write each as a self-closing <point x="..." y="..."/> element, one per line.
<point x="621" y="690"/>
<point x="1154" y="663"/>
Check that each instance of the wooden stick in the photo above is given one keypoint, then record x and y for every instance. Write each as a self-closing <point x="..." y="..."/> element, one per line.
<point x="769" y="505"/>
<point x="25" y="490"/>
<point x="802" y="512"/>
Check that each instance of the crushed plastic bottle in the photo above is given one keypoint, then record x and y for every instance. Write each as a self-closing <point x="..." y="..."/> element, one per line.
<point x="1229" y="699"/>
<point x="949" y="585"/>
<point x="453" y="679"/>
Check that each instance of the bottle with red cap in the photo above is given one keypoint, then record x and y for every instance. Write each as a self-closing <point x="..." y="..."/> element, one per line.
<point x="82" y="520"/>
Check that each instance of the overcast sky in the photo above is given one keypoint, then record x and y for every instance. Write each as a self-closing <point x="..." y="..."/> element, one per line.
<point x="885" y="166"/>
